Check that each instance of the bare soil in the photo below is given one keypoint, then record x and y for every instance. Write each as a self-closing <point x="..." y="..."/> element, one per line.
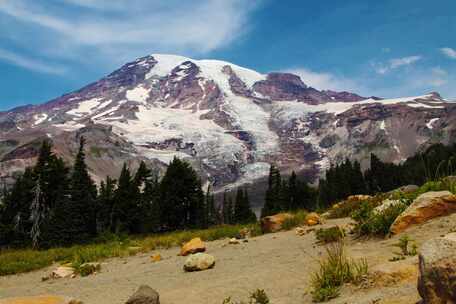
<point x="280" y="263"/>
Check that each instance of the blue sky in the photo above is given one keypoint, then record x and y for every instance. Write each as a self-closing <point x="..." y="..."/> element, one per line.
<point x="386" y="48"/>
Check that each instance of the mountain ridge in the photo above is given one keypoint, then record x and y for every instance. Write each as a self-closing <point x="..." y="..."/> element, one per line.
<point x="228" y="121"/>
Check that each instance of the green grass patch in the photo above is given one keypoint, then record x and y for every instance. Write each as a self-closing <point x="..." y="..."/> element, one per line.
<point x="298" y="219"/>
<point x="109" y="246"/>
<point x="335" y="270"/>
<point x="330" y="235"/>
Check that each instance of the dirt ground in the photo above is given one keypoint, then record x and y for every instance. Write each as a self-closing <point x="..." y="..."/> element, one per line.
<point x="280" y="263"/>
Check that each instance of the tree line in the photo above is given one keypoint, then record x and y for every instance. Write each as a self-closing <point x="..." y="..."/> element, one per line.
<point x="51" y="204"/>
<point x="347" y="178"/>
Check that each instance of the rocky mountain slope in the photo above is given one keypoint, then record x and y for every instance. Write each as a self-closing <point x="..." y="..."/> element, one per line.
<point x="228" y="121"/>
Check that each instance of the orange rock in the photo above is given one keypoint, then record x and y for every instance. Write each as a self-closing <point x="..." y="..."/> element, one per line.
<point x="194" y="246"/>
<point x="156" y="257"/>
<point x="425" y="207"/>
<point x="47" y="299"/>
<point x="274" y="223"/>
<point x="312" y="219"/>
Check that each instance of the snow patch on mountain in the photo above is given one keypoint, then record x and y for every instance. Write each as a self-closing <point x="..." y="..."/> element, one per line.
<point x="254" y="119"/>
<point x="156" y="125"/>
<point x="429" y="125"/>
<point x="40" y="118"/>
<point x="85" y="107"/>
<point x="139" y="94"/>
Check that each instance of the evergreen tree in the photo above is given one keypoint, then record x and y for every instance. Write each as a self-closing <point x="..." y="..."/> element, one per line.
<point x="50" y="191"/>
<point x="181" y="197"/>
<point x="105" y="205"/>
<point x="242" y="211"/>
<point x="211" y="212"/>
<point x="273" y="202"/>
<point x="123" y="202"/>
<point x="227" y="209"/>
<point x="150" y="201"/>
<point x="15" y="219"/>
<point x="80" y="208"/>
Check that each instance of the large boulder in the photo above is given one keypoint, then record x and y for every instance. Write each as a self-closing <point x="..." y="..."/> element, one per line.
<point x="406" y="189"/>
<point x="45" y="299"/>
<point x="193" y="246"/>
<point x="273" y="223"/>
<point x="144" y="295"/>
<point x="199" y="261"/>
<point x="425" y="207"/>
<point x="437" y="266"/>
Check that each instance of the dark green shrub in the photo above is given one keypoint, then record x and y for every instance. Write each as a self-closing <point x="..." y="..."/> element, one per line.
<point x="376" y="223"/>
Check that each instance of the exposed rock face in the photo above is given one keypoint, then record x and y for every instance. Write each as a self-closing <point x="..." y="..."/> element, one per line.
<point x="193" y="246"/>
<point x="144" y="295"/>
<point x="425" y="207"/>
<point x="229" y="122"/>
<point x="437" y="265"/>
<point x="47" y="299"/>
<point x="199" y="262"/>
<point x="274" y="223"/>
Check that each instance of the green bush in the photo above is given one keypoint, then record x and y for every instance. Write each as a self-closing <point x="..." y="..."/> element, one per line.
<point x="329" y="235"/>
<point x="336" y="270"/>
<point x="346" y="208"/>
<point x="372" y="223"/>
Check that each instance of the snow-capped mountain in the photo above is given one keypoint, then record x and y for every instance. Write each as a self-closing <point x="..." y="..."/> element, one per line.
<point x="229" y="122"/>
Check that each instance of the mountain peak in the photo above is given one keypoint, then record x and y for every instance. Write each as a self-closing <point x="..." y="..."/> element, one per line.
<point x="230" y="122"/>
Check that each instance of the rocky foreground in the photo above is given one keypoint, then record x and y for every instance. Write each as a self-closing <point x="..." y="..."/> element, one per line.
<point x="281" y="263"/>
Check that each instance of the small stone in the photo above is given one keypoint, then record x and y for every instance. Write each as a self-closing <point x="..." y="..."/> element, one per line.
<point x="62" y="272"/>
<point x="312" y="219"/>
<point x="195" y="245"/>
<point x="156" y="257"/>
<point x="234" y="241"/>
<point x="144" y="295"/>
<point x="199" y="261"/>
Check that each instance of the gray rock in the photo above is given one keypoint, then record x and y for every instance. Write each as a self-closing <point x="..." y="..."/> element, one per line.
<point x="144" y="295"/>
<point x="199" y="261"/>
<point x="437" y="266"/>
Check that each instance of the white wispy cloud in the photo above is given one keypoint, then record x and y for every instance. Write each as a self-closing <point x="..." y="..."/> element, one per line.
<point x="30" y="64"/>
<point x="325" y="80"/>
<point x="117" y="31"/>
<point x="395" y="63"/>
<point x="449" y="52"/>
